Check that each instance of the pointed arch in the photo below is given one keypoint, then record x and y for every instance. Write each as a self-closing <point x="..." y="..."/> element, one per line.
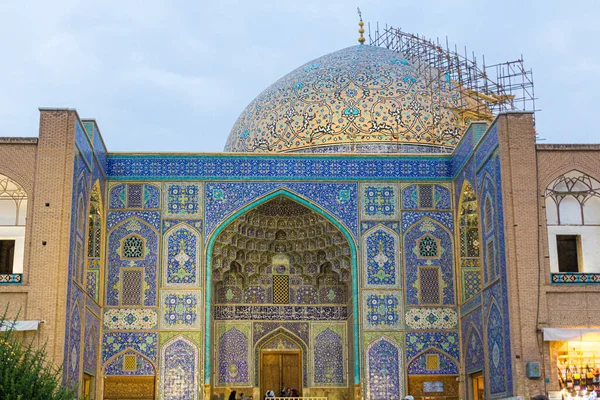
<point x="468" y="243"/>
<point x="143" y="274"/>
<point x="474" y="353"/>
<point x="384" y="361"/>
<point x="381" y="264"/>
<point x="182" y="248"/>
<point x="428" y="282"/>
<point x="576" y="198"/>
<point x="494" y="343"/>
<point x="208" y="272"/>
<point x="73" y="365"/>
<point x="176" y="367"/>
<point x="289" y="335"/>
<point x="445" y="364"/>
<point x="114" y="365"/>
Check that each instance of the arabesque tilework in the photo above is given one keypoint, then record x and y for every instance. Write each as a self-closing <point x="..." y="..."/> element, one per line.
<point x="145" y="343"/>
<point x="388" y="204"/>
<point x="179" y="370"/>
<point x="233" y="355"/>
<point x="384" y="370"/>
<point x="381" y="261"/>
<point x="379" y="201"/>
<point x="182" y="200"/>
<point x="180" y="309"/>
<point x="382" y="310"/>
<point x="181" y="249"/>
<point x="446" y="366"/>
<point x="431" y="318"/>
<point x="130" y="319"/>
<point x="328" y="350"/>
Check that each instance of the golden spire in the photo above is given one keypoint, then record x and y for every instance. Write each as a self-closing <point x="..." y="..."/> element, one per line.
<point x="361" y="30"/>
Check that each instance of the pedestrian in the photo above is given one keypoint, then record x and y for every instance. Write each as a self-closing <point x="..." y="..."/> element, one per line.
<point x="232" y="395"/>
<point x="540" y="397"/>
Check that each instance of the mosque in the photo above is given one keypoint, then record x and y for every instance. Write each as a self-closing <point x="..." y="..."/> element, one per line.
<point x="373" y="228"/>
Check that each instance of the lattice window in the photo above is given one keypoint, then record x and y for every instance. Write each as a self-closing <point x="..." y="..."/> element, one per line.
<point x="432" y="362"/>
<point x="428" y="247"/>
<point x="80" y="215"/>
<point x="469" y="228"/>
<point x="573" y="199"/>
<point x="78" y="262"/>
<point x="491" y="259"/>
<point x="95" y="223"/>
<point x="281" y="289"/>
<point x="13" y="202"/>
<point x="129" y="362"/>
<point x="134" y="195"/>
<point x="426" y="196"/>
<point x="132" y="293"/>
<point x="488" y="215"/>
<point x="429" y="284"/>
<point x="133" y="247"/>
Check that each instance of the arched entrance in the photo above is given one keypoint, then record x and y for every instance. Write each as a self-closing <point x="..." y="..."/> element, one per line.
<point x="281" y="264"/>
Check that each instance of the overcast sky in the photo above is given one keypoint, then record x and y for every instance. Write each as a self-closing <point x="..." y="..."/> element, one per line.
<point x="175" y="75"/>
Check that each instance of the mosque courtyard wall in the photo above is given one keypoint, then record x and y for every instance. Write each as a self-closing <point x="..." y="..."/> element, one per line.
<point x="173" y="275"/>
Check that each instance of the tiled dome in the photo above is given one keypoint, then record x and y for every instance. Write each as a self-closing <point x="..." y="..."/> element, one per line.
<point x="362" y="99"/>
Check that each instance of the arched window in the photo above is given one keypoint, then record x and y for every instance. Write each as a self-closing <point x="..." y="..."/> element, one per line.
<point x="95" y="222"/>
<point x="488" y="212"/>
<point x="133" y="247"/>
<point x="428" y="247"/>
<point x="92" y="276"/>
<point x="573" y="199"/>
<point x="469" y="242"/>
<point x="13" y="212"/>
<point x="469" y="219"/>
<point x="573" y="220"/>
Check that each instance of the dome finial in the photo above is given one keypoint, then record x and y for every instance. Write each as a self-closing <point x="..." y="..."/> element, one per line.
<point x="361" y="30"/>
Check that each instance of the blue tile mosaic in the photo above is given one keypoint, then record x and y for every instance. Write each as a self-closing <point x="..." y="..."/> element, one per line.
<point x="382" y="311"/>
<point x="486" y="146"/>
<point x="384" y="370"/>
<point x="118" y="196"/>
<point x="379" y="201"/>
<point x="147" y="261"/>
<point x="144" y="343"/>
<point x="115" y="217"/>
<point x="182" y="259"/>
<point x="414" y="261"/>
<point x="328" y="358"/>
<point x="446" y="366"/>
<point x="288" y="168"/>
<point x="338" y="199"/>
<point x="446" y="342"/>
<point x="367" y="225"/>
<point x="381" y="258"/>
<point x="233" y="357"/>
<point x="179" y="370"/>
<point x="142" y="367"/>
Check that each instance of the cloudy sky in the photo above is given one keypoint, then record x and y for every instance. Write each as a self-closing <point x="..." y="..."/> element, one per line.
<point x="175" y="75"/>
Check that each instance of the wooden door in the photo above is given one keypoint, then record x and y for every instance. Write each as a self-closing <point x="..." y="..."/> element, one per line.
<point x="291" y="371"/>
<point x="279" y="370"/>
<point x="270" y="373"/>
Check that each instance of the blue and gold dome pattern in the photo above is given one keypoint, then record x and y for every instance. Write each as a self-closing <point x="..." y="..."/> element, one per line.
<point x="362" y="99"/>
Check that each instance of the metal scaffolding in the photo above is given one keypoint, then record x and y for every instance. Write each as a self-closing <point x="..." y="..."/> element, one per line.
<point x="485" y="90"/>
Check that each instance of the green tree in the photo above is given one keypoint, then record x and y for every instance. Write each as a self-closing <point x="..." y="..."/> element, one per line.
<point x="25" y="371"/>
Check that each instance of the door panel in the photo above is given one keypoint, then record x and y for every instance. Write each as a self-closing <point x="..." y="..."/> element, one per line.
<point x="270" y="373"/>
<point x="291" y="371"/>
<point x="279" y="370"/>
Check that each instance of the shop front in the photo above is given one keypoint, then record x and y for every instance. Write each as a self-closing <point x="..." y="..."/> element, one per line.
<point x="574" y="362"/>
